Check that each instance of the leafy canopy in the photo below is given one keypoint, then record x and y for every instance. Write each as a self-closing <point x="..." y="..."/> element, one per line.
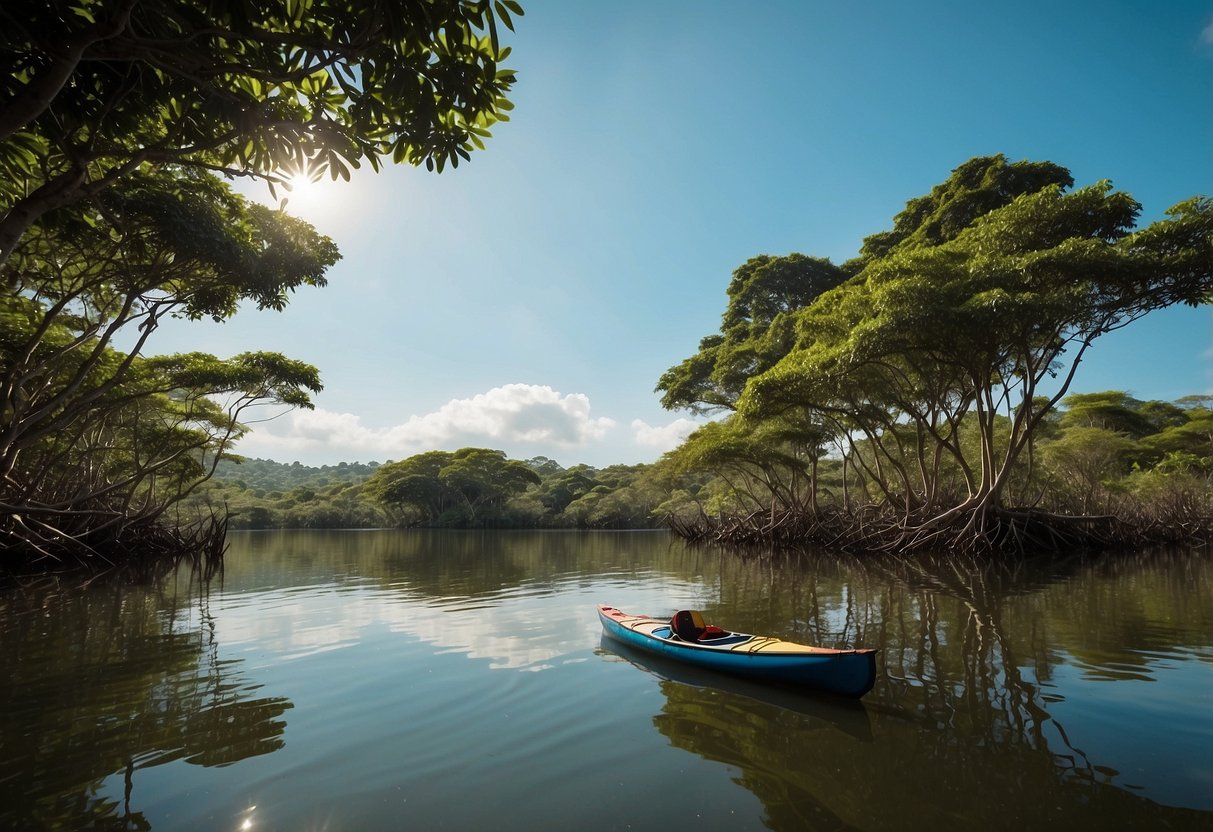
<point x="949" y="323"/>
<point x="756" y="330"/>
<point x="94" y="433"/>
<point x="92" y="90"/>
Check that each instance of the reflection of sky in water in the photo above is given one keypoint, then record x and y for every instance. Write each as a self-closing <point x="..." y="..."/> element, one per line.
<point x="524" y="627"/>
<point x="1134" y="726"/>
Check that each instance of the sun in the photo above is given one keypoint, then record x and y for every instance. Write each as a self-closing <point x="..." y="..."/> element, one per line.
<point x="307" y="195"/>
<point x="299" y="185"/>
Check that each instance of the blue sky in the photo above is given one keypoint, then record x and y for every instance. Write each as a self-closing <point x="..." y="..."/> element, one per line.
<point x="529" y="300"/>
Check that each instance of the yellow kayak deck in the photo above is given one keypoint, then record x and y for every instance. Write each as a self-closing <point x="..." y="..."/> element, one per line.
<point x="749" y="643"/>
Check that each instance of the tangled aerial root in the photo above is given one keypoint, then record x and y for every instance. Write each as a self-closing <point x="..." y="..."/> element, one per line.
<point x="991" y="531"/>
<point x="101" y="541"/>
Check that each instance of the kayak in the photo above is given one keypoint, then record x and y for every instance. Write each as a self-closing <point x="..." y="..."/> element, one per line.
<point x="687" y="638"/>
<point x="722" y="691"/>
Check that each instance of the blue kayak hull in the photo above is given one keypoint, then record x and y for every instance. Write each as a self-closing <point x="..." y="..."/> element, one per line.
<point x="844" y="672"/>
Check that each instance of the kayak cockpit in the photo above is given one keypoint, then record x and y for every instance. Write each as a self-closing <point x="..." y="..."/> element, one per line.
<point x="689" y="626"/>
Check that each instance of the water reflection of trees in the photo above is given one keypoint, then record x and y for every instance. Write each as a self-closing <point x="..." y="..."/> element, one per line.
<point x="443" y="563"/>
<point x="99" y="681"/>
<point x="760" y="729"/>
<point x="961" y="713"/>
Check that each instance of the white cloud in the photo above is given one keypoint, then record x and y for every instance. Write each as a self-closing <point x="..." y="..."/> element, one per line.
<point x="662" y="437"/>
<point x="512" y="414"/>
<point x="1206" y="34"/>
<point x="510" y="636"/>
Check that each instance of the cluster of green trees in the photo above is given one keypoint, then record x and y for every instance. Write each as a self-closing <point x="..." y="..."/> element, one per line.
<point x="262" y="494"/>
<point x="475" y="487"/>
<point x="1105" y="446"/>
<point x="468" y="488"/>
<point x="115" y="117"/>
<point x="931" y="364"/>
<point x="1103" y="454"/>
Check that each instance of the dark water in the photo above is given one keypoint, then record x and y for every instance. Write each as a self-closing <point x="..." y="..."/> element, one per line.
<point x="382" y="680"/>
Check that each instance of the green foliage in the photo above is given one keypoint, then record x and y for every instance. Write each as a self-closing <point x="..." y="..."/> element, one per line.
<point x="764" y="463"/>
<point x="468" y="488"/>
<point x="1110" y="444"/>
<point x="978" y="321"/>
<point x="1115" y="411"/>
<point x="560" y="487"/>
<point x="974" y="189"/>
<point x="482" y="480"/>
<point x="733" y="467"/>
<point x="756" y="330"/>
<point x="925" y="365"/>
<point x="114" y="117"/>
<point x="1084" y="461"/>
<point x="91" y="92"/>
<point x="262" y="494"/>
<point x="95" y="435"/>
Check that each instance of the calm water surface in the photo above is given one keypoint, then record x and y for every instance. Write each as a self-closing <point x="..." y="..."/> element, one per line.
<point x="416" y="680"/>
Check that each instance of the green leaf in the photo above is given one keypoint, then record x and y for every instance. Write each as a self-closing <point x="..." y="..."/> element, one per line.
<point x="504" y="14"/>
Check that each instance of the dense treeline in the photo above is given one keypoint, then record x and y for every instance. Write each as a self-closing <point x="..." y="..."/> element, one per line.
<point x="468" y="488"/>
<point x="262" y="494"/>
<point x="1129" y="471"/>
<point x="1099" y="455"/>
<point x="931" y="367"/>
<point x="475" y="487"/>
<point x="115" y="118"/>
